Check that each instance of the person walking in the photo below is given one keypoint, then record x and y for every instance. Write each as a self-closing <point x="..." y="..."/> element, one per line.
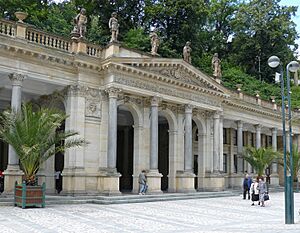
<point x="262" y="187"/>
<point x="254" y="191"/>
<point x="143" y="183"/>
<point x="246" y="187"/>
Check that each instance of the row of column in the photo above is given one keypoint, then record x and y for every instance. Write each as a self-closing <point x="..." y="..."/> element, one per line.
<point x="257" y="145"/>
<point x="112" y="134"/>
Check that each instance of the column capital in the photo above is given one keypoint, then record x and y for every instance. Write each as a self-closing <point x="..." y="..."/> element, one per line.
<point x="274" y="130"/>
<point x="76" y="90"/>
<point x="113" y="92"/>
<point x="216" y="115"/>
<point x="239" y="124"/>
<point x="155" y="100"/>
<point x="258" y="127"/>
<point x="188" y="108"/>
<point x="17" y="79"/>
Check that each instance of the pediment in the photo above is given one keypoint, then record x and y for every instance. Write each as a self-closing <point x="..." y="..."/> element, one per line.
<point x="178" y="71"/>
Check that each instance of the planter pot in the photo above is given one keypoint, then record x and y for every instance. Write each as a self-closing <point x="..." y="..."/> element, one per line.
<point x="29" y="196"/>
<point x="21" y="16"/>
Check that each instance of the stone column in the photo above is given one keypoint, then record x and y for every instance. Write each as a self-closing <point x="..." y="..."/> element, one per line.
<point x="258" y="136"/>
<point x="274" y="170"/>
<point x="187" y="178"/>
<point x="109" y="180"/>
<point x="13" y="172"/>
<point x="74" y="173"/>
<point x="216" y="143"/>
<point x="188" y="143"/>
<point x="154" y="177"/>
<point x="221" y="143"/>
<point x="240" y="146"/>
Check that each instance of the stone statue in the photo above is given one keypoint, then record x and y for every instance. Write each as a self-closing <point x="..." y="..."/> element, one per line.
<point x="187" y="52"/>
<point x="114" y="27"/>
<point x="216" y="66"/>
<point x="154" y="42"/>
<point x="80" y="24"/>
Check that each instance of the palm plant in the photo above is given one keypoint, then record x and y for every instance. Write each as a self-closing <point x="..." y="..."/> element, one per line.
<point x="296" y="162"/>
<point x="260" y="158"/>
<point x="34" y="135"/>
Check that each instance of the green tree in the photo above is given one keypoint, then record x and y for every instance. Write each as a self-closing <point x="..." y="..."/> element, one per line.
<point x="262" y="29"/>
<point x="260" y="158"/>
<point x="34" y="135"/>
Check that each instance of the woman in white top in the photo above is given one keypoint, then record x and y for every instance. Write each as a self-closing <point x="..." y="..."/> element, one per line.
<point x="254" y="191"/>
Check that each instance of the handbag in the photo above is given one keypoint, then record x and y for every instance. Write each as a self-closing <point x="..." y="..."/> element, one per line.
<point x="255" y="197"/>
<point x="266" y="197"/>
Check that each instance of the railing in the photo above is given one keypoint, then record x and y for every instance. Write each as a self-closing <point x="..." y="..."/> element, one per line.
<point x="249" y="99"/>
<point x="48" y="40"/>
<point x="93" y="50"/>
<point x="7" y="28"/>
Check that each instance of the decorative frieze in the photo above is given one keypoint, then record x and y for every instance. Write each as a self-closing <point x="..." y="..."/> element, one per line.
<point x="161" y="89"/>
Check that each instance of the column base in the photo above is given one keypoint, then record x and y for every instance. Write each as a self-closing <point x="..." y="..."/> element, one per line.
<point x="235" y="180"/>
<point x="11" y="175"/>
<point x="108" y="183"/>
<point x="274" y="180"/>
<point x="73" y="181"/>
<point x="154" y="182"/>
<point x="185" y="182"/>
<point x="212" y="182"/>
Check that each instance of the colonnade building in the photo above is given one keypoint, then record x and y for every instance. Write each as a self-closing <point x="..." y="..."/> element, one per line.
<point x="137" y="111"/>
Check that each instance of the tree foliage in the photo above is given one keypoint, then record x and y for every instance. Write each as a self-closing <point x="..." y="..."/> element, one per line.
<point x="260" y="158"/>
<point x="296" y="161"/>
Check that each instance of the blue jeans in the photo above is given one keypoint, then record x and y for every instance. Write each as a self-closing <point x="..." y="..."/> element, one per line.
<point x="143" y="188"/>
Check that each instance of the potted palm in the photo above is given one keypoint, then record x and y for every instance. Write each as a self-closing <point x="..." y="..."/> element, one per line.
<point x="34" y="135"/>
<point x="259" y="158"/>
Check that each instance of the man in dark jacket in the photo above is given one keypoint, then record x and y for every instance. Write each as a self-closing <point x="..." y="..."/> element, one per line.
<point x="246" y="187"/>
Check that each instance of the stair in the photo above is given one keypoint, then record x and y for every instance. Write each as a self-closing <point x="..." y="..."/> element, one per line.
<point x="123" y="199"/>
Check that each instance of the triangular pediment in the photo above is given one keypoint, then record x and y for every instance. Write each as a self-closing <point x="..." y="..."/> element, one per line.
<point x="177" y="71"/>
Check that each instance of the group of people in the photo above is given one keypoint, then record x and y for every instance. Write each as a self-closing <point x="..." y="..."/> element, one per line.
<point x="255" y="188"/>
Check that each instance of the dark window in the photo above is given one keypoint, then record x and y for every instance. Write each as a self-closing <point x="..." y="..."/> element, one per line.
<point x="225" y="163"/>
<point x="235" y="137"/>
<point x="235" y="163"/>
<point x="225" y="136"/>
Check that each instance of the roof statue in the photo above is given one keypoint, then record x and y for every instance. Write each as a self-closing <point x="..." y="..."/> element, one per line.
<point x="154" y="42"/>
<point x="80" y="21"/>
<point x="187" y="52"/>
<point x="114" y="27"/>
<point x="216" y="66"/>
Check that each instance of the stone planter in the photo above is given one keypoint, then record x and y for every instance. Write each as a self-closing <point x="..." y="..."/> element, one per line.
<point x="29" y="196"/>
<point x="21" y="16"/>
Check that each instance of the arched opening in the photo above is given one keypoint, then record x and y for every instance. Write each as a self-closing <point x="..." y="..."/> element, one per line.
<point x="199" y="148"/>
<point x="195" y="152"/>
<point x="59" y="166"/>
<point x="125" y="145"/>
<point x="163" y="151"/>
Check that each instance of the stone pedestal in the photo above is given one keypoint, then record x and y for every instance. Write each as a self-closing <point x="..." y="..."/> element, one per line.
<point x="154" y="182"/>
<point x="185" y="182"/>
<point x="274" y="180"/>
<point x="235" y="180"/>
<point x="74" y="181"/>
<point x="213" y="182"/>
<point x="112" y="50"/>
<point x="11" y="175"/>
<point x="108" y="183"/>
<point x="78" y="45"/>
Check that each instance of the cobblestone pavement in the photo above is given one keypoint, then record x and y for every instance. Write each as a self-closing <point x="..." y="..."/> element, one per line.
<point x="229" y="214"/>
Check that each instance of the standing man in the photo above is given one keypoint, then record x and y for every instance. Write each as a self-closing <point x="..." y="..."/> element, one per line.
<point x="143" y="182"/>
<point x="246" y="187"/>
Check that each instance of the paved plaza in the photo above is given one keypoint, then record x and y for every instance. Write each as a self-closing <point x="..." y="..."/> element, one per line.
<point x="226" y="214"/>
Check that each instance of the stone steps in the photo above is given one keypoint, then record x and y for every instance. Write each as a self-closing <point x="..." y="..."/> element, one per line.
<point x="123" y="199"/>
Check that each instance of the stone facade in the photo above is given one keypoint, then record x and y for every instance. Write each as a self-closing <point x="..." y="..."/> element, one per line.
<point x="137" y="112"/>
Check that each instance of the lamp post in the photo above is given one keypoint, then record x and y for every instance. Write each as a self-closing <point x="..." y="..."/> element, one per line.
<point x="293" y="66"/>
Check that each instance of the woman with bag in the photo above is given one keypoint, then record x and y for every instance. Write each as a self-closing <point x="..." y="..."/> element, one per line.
<point x="262" y="187"/>
<point x="254" y="191"/>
